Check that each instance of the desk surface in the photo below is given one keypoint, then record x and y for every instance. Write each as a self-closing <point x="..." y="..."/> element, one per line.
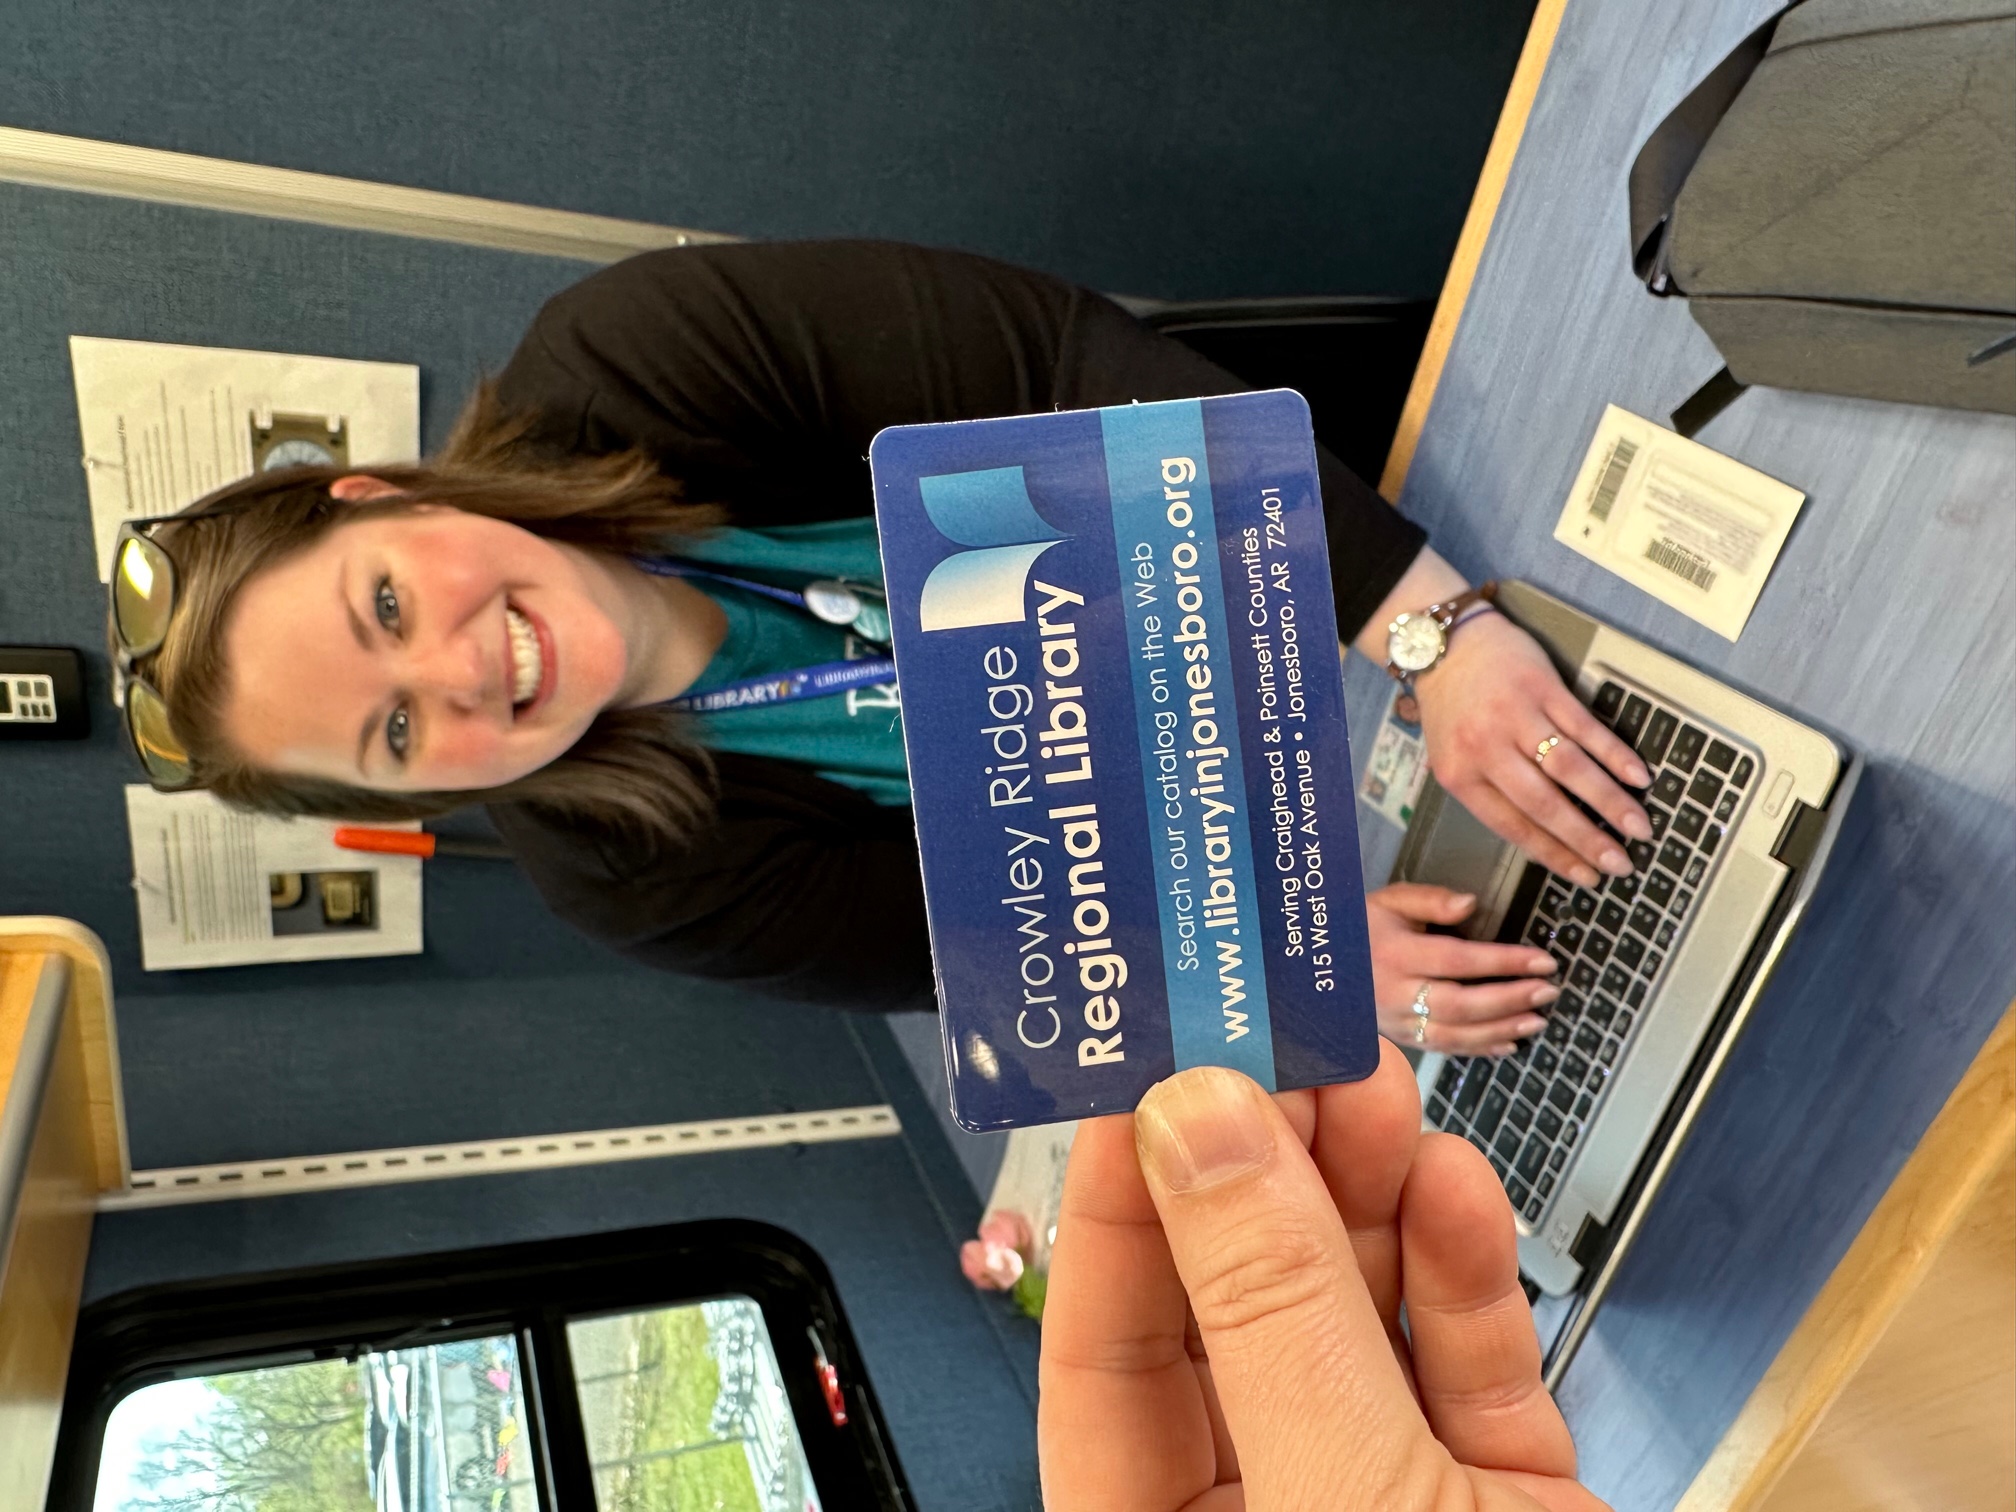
<point x="1890" y="620"/>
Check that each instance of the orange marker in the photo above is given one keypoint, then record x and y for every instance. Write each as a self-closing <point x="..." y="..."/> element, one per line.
<point x="416" y="843"/>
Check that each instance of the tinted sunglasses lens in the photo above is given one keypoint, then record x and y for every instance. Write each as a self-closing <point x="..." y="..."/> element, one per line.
<point x="143" y="594"/>
<point x="160" y="752"/>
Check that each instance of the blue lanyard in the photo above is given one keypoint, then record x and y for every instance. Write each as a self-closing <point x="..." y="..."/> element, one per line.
<point x="820" y="681"/>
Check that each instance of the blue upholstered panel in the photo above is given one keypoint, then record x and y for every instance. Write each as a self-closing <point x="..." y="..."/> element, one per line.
<point x="1188" y="148"/>
<point x="87" y="265"/>
<point x="315" y="1068"/>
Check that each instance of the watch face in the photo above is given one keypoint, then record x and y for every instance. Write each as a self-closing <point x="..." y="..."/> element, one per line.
<point x="1415" y="642"/>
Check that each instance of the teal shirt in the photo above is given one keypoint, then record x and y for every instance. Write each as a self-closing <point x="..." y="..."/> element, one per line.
<point x="854" y="738"/>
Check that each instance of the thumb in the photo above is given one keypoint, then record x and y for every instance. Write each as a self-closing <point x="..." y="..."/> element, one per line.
<point x="1426" y="904"/>
<point x="1305" y="1375"/>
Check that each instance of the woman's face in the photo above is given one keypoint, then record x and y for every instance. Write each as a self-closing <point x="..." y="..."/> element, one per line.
<point x="428" y="650"/>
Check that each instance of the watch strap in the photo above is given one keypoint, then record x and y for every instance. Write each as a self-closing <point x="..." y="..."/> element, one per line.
<point x="1447" y="612"/>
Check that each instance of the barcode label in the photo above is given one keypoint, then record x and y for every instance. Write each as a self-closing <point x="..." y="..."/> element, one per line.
<point x="1681" y="562"/>
<point x="1613" y="478"/>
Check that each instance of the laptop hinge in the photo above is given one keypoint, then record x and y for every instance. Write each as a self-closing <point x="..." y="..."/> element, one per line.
<point x="1801" y="835"/>
<point x="1588" y="1245"/>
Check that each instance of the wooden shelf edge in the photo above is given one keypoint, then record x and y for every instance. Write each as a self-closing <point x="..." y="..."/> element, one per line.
<point x="91" y="997"/>
<point x="1960" y="1152"/>
<point x="1491" y="180"/>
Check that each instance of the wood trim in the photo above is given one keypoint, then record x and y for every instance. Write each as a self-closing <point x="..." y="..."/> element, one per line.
<point x="1505" y="139"/>
<point x="42" y="1271"/>
<point x="18" y="978"/>
<point x="49" y="161"/>
<point x="96" y="1028"/>
<point x="1959" y="1154"/>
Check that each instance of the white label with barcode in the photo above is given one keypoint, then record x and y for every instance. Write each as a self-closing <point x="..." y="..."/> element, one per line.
<point x="1616" y="468"/>
<point x="1693" y="528"/>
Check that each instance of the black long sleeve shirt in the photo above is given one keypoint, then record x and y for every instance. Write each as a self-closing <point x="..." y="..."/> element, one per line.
<point x="758" y="373"/>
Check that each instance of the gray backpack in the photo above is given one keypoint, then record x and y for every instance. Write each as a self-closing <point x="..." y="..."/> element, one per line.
<point x="1837" y="202"/>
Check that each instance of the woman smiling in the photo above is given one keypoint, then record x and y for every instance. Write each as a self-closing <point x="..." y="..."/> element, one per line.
<point x="662" y="495"/>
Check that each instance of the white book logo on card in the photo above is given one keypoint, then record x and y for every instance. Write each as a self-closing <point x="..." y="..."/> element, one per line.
<point x="990" y="512"/>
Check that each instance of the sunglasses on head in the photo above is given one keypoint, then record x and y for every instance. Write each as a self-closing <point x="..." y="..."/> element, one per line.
<point x="143" y="591"/>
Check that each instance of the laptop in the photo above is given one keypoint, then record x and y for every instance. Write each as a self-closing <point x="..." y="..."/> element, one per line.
<point x="1658" y="969"/>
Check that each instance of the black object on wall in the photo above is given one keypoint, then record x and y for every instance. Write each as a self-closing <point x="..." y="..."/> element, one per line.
<point x="42" y="694"/>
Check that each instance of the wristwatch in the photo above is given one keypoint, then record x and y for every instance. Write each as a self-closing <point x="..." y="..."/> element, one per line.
<point x="1416" y="642"/>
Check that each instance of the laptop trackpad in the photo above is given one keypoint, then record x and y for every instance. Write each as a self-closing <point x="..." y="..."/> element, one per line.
<point x="1449" y="847"/>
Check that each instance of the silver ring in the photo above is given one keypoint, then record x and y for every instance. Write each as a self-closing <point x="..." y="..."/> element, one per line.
<point x="1421" y="1014"/>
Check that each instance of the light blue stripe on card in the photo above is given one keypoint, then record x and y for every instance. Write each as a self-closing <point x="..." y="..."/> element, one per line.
<point x="1165" y="533"/>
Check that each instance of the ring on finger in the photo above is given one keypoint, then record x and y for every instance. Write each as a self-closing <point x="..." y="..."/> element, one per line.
<point x="1420" y="1011"/>
<point x="1546" y="748"/>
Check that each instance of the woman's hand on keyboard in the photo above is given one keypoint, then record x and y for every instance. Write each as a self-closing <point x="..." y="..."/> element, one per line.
<point x="1222" y="1328"/>
<point x="1485" y="709"/>
<point x="1465" y="1016"/>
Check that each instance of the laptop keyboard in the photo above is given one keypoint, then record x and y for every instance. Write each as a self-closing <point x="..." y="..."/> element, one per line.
<point x="1528" y="1112"/>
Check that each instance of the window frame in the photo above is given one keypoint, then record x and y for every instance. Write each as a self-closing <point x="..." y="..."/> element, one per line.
<point x="530" y="1291"/>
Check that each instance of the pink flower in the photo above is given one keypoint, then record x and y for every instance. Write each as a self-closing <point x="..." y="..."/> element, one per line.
<point x="995" y="1261"/>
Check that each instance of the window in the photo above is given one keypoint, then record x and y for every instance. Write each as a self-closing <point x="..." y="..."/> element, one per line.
<point x="699" y="1365"/>
<point x="438" y="1428"/>
<point x="686" y="1407"/>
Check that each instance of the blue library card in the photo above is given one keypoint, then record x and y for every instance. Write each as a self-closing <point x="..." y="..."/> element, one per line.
<point x="1124" y="715"/>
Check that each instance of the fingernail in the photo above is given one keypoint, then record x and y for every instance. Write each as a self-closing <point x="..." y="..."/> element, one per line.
<point x="1637" y="826"/>
<point x="1499" y="1052"/>
<point x="1528" y="1026"/>
<point x="1640" y="777"/>
<point x="1462" y="900"/>
<point x="1203" y="1127"/>
<point x="1586" y="876"/>
<point x="1615" y="862"/>
<point x="1544" y="964"/>
<point x="1542" y="996"/>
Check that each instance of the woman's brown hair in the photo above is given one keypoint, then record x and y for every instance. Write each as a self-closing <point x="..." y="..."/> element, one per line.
<point x="633" y="771"/>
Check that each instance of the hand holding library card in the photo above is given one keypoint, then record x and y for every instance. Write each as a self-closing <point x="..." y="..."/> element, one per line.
<point x="1693" y="528"/>
<point x="1117" y="651"/>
